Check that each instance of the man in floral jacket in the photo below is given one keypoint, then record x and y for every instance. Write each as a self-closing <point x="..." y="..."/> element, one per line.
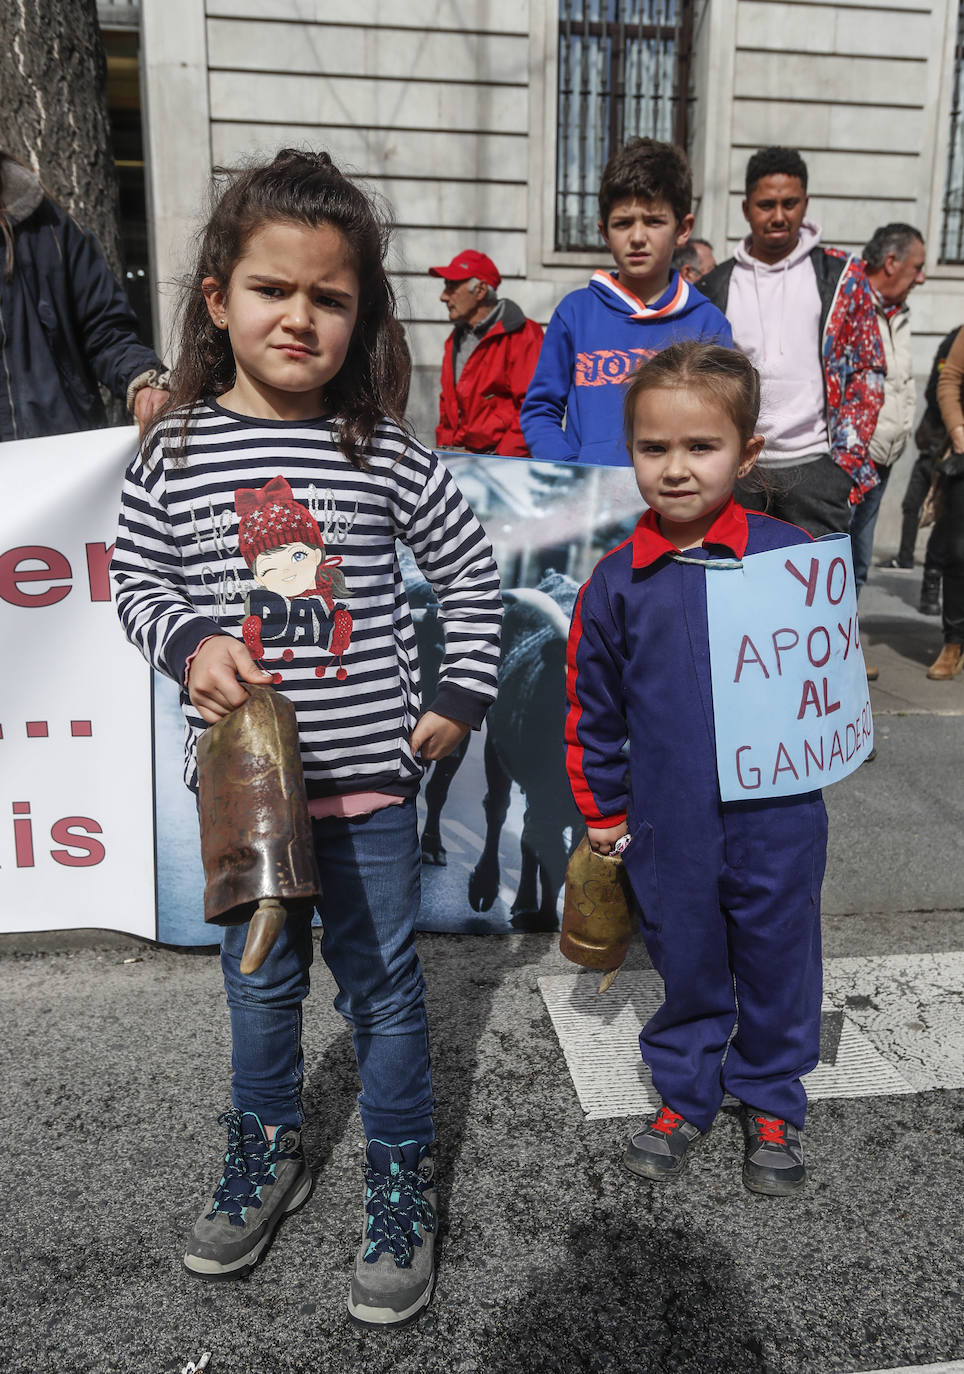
<point x="805" y="316"/>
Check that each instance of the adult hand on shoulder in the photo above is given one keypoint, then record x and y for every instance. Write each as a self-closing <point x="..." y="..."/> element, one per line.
<point x="145" y="405"/>
<point x="213" y="684"/>
<point x="602" y="841"/>
<point x="436" y="736"/>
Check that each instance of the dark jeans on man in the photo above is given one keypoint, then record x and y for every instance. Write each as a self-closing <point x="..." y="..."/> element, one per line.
<point x="814" y="495"/>
<point x="918" y="485"/>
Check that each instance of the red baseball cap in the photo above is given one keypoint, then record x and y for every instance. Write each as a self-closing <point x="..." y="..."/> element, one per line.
<point x="469" y="264"/>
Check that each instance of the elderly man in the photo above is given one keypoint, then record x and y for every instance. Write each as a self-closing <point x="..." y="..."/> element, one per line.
<point x="489" y="360"/>
<point x="694" y="260"/>
<point x="66" y="326"/>
<point x="894" y="263"/>
<point x="805" y="316"/>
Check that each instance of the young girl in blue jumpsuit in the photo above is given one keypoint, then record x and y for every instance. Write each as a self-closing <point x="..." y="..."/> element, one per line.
<point x="729" y="892"/>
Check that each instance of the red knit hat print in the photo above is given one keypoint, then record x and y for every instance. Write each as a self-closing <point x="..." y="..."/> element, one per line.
<point x="270" y="518"/>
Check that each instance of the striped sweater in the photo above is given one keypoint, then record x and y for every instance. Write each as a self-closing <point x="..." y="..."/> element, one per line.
<point x="267" y="533"/>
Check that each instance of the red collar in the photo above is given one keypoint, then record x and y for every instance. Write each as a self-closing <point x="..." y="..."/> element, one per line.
<point x="728" y="529"/>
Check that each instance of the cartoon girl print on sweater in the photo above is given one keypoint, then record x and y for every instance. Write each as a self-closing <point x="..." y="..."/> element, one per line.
<point x="295" y="602"/>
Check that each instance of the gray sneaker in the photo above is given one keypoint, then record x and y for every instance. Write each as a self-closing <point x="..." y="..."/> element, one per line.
<point x="773" y="1156"/>
<point x="395" y="1265"/>
<point x="658" y="1151"/>
<point x="262" y="1182"/>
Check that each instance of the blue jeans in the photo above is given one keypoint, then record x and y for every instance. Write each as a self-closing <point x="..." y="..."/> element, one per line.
<point x="862" y="527"/>
<point x="370" y="880"/>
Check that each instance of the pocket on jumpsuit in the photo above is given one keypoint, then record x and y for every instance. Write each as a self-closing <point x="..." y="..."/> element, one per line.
<point x="639" y="860"/>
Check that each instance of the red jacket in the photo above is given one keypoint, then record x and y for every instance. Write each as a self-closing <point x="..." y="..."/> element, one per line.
<point x="481" y="412"/>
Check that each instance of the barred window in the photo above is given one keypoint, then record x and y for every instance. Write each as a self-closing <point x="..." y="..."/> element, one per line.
<point x="952" y="211"/>
<point x="623" y="70"/>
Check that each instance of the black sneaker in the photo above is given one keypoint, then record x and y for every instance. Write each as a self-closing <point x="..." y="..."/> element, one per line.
<point x="658" y="1151"/>
<point x="395" y="1265"/>
<point x="262" y="1182"/>
<point x="773" y="1155"/>
<point x="897" y="563"/>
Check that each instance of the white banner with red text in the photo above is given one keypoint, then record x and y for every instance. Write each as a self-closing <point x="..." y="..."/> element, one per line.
<point x="77" y="806"/>
<point x="97" y="829"/>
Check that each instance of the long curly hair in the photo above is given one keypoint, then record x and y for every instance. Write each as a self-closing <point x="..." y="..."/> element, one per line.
<point x="302" y="188"/>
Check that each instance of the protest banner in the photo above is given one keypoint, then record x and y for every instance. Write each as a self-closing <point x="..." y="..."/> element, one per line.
<point x="76" y="811"/>
<point x="100" y="830"/>
<point x="790" y="698"/>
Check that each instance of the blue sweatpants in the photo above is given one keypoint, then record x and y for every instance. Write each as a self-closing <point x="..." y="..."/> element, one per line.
<point x="731" y="919"/>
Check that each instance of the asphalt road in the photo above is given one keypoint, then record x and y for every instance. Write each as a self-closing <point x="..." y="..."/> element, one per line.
<point x="551" y="1258"/>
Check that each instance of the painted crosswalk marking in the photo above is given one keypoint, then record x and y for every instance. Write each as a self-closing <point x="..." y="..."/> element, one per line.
<point x="955" y="1367"/>
<point x="891" y="1024"/>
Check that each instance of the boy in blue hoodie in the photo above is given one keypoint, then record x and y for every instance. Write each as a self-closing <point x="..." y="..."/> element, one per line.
<point x="599" y="335"/>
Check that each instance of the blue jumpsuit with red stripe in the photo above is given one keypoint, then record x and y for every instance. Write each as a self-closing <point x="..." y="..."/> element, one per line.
<point x="729" y="893"/>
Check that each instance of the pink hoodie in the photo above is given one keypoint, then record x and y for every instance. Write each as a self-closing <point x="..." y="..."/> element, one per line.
<point x="774" y="312"/>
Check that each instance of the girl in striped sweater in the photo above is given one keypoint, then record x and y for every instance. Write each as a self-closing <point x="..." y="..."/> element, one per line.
<point x="257" y="544"/>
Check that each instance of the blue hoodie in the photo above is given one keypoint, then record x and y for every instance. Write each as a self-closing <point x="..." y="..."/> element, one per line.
<point x="596" y="339"/>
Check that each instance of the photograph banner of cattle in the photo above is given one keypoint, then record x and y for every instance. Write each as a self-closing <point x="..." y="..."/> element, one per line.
<point x="103" y="753"/>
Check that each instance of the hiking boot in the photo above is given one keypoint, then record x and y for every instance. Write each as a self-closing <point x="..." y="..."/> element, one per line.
<point x="948" y="663"/>
<point x="658" y="1151"/>
<point x="395" y="1265"/>
<point x="773" y="1155"/>
<point x="262" y="1182"/>
<point x="930" y="592"/>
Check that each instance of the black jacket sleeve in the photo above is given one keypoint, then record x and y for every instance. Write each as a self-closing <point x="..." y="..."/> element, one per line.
<point x="106" y="324"/>
<point x="715" y="286"/>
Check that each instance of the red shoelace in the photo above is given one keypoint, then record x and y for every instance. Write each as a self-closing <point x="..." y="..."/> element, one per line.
<point x="772" y="1132"/>
<point x="666" y="1121"/>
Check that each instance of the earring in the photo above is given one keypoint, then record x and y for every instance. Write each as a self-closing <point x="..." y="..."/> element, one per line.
<point x="222" y="322"/>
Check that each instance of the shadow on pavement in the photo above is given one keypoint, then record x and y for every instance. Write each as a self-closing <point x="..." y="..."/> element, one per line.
<point x="902" y="584"/>
<point x="329" y="1098"/>
<point x="685" y="1312"/>
<point x="472" y="1063"/>
<point x="918" y="641"/>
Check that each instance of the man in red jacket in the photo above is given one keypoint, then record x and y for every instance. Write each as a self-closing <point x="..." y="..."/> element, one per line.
<point x="489" y="360"/>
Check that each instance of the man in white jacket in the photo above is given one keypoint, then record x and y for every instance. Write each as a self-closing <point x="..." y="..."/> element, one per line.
<point x="894" y="263"/>
<point x="804" y="314"/>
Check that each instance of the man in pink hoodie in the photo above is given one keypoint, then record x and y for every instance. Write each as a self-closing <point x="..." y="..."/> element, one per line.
<point x="805" y="316"/>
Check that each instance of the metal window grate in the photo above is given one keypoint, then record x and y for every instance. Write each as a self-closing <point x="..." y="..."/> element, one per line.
<point x="952" y="210"/>
<point x="623" y="71"/>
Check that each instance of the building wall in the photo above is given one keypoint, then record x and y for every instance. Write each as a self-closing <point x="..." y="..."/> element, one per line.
<point x="426" y="100"/>
<point x="447" y="107"/>
<point x="862" y="89"/>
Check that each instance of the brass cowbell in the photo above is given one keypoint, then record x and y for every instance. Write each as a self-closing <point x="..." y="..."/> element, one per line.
<point x="256" y="848"/>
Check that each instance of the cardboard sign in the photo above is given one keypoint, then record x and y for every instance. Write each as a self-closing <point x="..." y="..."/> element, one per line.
<point x="789" y="682"/>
